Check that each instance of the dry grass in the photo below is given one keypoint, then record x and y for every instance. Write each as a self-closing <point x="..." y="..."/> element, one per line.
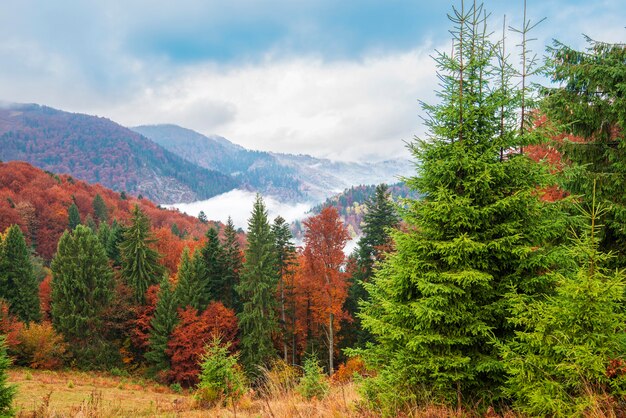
<point x="71" y="394"/>
<point x="47" y="394"/>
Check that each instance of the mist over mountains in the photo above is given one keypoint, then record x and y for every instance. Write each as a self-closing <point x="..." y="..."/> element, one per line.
<point x="170" y="164"/>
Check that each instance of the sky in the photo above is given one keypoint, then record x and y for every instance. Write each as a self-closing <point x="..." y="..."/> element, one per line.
<point x="334" y="79"/>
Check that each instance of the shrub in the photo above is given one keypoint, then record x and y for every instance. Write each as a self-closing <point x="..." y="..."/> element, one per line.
<point x="346" y="371"/>
<point x="40" y="346"/>
<point x="221" y="378"/>
<point x="313" y="383"/>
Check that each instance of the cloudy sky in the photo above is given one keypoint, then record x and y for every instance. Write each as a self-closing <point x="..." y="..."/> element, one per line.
<point x="337" y="79"/>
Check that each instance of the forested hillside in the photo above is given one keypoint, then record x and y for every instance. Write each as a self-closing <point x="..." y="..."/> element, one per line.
<point x="40" y="202"/>
<point x="98" y="150"/>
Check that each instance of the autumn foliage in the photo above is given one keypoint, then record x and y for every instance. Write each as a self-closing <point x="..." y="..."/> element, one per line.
<point x="195" y="330"/>
<point x="38" y="202"/>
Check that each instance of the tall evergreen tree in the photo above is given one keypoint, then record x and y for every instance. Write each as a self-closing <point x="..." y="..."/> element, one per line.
<point x="82" y="285"/>
<point x="190" y="289"/>
<point x="162" y="324"/>
<point x="100" y="209"/>
<point x="140" y="267"/>
<point x="232" y="266"/>
<point x="116" y="237"/>
<point x="438" y="303"/>
<point x="257" y="286"/>
<point x="213" y="254"/>
<point x="380" y="216"/>
<point x="7" y="390"/>
<point x="18" y="284"/>
<point x="73" y="217"/>
<point x="285" y="263"/>
<point x="589" y="102"/>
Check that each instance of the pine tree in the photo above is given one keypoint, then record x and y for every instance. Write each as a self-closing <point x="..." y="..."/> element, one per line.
<point x="256" y="288"/>
<point x="7" y="390"/>
<point x="285" y="261"/>
<point x="73" y="217"/>
<point x="437" y="305"/>
<point x="82" y="285"/>
<point x="18" y="284"/>
<point x="562" y="360"/>
<point x="213" y="255"/>
<point x="140" y="267"/>
<point x="163" y="322"/>
<point x="589" y="102"/>
<point x="202" y="217"/>
<point x="100" y="209"/>
<point x="232" y="266"/>
<point x="190" y="289"/>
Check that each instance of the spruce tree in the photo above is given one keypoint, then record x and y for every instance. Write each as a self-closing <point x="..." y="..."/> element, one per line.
<point x="256" y="289"/>
<point x="285" y="266"/>
<point x="18" y="284"/>
<point x="232" y="266"/>
<point x="163" y="322"/>
<point x="73" y="217"/>
<point x="437" y="305"/>
<point x="190" y="289"/>
<point x="7" y="390"/>
<point x="140" y="267"/>
<point x="116" y="237"/>
<point x="215" y="282"/>
<point x="589" y="102"/>
<point x="380" y="216"/>
<point x="82" y="285"/>
<point x="100" y="209"/>
<point x="569" y="350"/>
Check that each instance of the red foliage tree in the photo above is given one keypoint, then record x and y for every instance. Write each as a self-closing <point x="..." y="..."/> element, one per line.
<point x="325" y="237"/>
<point x="140" y="326"/>
<point x="190" y="337"/>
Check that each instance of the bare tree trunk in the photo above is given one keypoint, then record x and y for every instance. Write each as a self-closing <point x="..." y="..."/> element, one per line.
<point x="331" y="345"/>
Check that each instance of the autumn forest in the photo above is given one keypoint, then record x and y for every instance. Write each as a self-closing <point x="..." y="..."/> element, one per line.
<point x="494" y="286"/>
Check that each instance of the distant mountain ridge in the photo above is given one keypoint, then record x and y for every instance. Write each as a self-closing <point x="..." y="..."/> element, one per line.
<point x="98" y="150"/>
<point x="294" y="178"/>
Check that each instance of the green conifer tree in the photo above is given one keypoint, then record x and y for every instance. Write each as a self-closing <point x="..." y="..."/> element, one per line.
<point x="163" y="323"/>
<point x="18" y="283"/>
<point x="285" y="264"/>
<point x="561" y="360"/>
<point x="256" y="289"/>
<point x="589" y="102"/>
<point x="140" y="266"/>
<point x="232" y="266"/>
<point x="73" y="217"/>
<point x="7" y="390"/>
<point x="215" y="283"/>
<point x="100" y="209"/>
<point x="438" y="304"/>
<point x="190" y="289"/>
<point x="116" y="237"/>
<point x="82" y="285"/>
<point x="380" y="216"/>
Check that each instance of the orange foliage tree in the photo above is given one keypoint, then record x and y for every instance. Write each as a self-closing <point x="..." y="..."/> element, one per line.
<point x="325" y="237"/>
<point x="188" y="340"/>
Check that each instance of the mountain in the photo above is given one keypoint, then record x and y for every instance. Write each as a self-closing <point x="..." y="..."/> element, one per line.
<point x="293" y="178"/>
<point x="255" y="170"/>
<point x="98" y="150"/>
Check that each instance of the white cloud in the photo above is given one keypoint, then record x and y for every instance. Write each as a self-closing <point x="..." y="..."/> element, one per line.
<point x="346" y="110"/>
<point x="238" y="205"/>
